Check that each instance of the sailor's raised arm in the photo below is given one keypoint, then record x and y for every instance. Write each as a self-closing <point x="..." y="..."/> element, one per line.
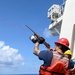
<point x="36" y="50"/>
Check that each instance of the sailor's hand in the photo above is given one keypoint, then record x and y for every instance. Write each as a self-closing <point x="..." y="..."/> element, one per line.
<point x="41" y="40"/>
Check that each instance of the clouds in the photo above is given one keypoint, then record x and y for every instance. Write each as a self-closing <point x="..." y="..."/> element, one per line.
<point x="1" y="43"/>
<point x="10" y="56"/>
<point x="47" y="33"/>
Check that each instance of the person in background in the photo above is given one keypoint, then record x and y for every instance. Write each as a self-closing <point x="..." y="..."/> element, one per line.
<point x="68" y="54"/>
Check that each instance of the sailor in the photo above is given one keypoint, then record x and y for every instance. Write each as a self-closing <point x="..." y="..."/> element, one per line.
<point x="68" y="54"/>
<point x="54" y="61"/>
<point x="71" y="68"/>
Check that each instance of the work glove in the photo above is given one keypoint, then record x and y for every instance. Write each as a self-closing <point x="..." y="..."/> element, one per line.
<point x="41" y="40"/>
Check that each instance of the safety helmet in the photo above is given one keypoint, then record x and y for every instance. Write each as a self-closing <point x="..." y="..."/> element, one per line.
<point x="68" y="52"/>
<point x="63" y="41"/>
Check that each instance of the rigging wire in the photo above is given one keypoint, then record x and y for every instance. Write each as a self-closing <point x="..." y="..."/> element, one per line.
<point x="11" y="23"/>
<point x="17" y="26"/>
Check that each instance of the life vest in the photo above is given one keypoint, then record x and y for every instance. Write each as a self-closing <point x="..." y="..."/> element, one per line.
<point x="58" y="65"/>
<point x="71" y="71"/>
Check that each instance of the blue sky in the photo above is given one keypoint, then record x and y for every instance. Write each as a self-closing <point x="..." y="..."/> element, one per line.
<point x="16" y="49"/>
